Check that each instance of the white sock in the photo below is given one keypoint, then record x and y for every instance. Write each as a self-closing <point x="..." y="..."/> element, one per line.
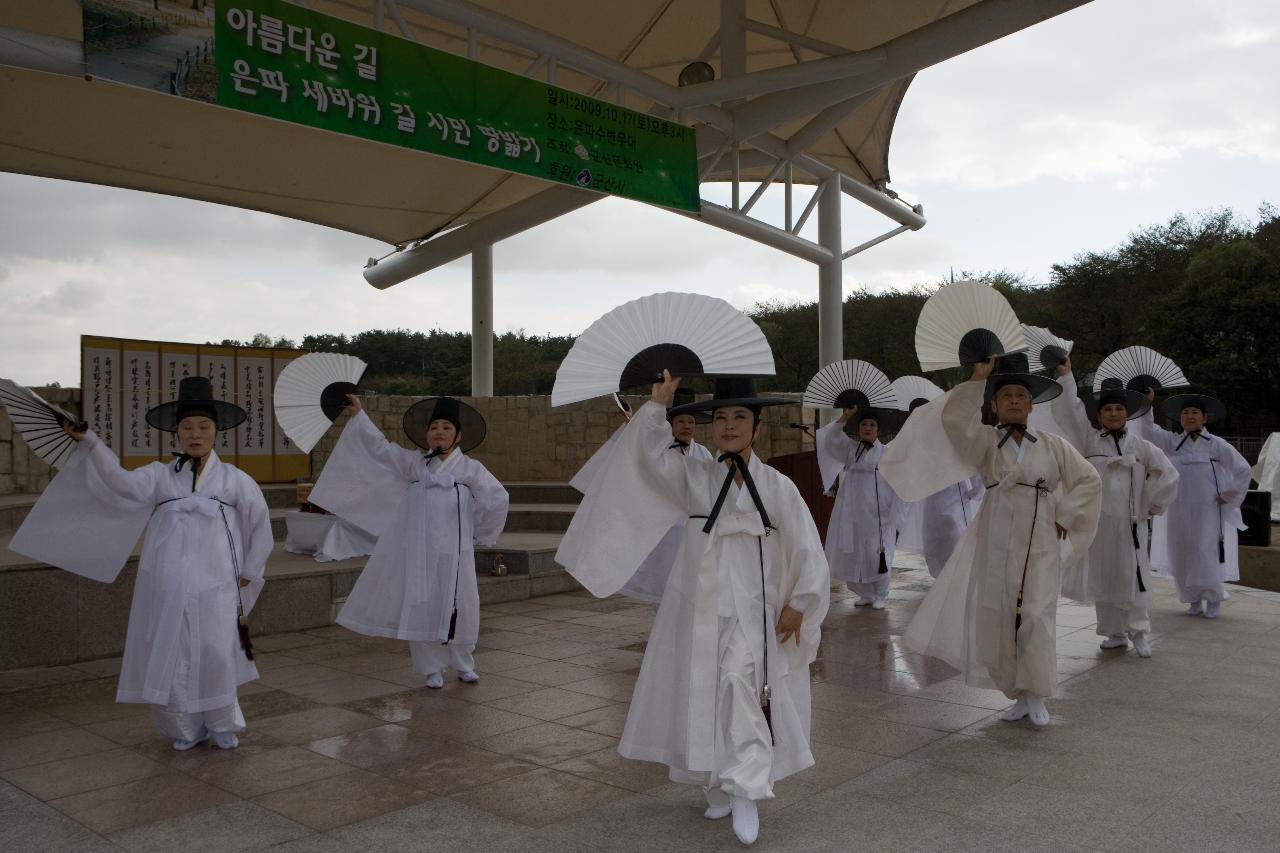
<point x="879" y="604"/>
<point x="718" y="804"/>
<point x="1037" y="711"/>
<point x="1211" y="609"/>
<point x="226" y="740"/>
<point x="1115" y="641"/>
<point x="1016" y="711"/>
<point x="435" y="680"/>
<point x="1194" y="609"/>
<point x="1140" y="644"/>
<point x="468" y="677"/>
<point x="746" y="819"/>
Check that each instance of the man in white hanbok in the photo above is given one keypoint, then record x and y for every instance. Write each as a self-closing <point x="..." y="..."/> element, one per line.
<point x="723" y="693"/>
<point x="992" y="612"/>
<point x="208" y="539"/>
<point x="429" y="512"/>
<point x="1138" y="483"/>
<point x="1195" y="541"/>
<point x="863" y="530"/>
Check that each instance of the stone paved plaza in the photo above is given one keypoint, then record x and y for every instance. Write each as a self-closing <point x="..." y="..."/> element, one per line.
<point x="346" y="751"/>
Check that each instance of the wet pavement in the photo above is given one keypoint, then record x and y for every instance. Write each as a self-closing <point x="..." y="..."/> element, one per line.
<point x="346" y="750"/>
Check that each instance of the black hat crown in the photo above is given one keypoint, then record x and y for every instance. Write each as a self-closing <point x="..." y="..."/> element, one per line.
<point x="734" y="387"/>
<point x="195" y="398"/>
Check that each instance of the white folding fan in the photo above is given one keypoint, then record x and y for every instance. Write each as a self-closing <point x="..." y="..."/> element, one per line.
<point x="1140" y="368"/>
<point x="39" y="423"/>
<point x="686" y="333"/>
<point x="908" y="389"/>
<point x="850" y="382"/>
<point x="1045" y="350"/>
<point x="311" y="392"/>
<point x="965" y="323"/>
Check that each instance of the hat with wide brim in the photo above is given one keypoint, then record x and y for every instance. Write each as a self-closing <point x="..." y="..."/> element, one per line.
<point x="1135" y="404"/>
<point x="195" y="398"/>
<point x="1013" y="370"/>
<point x="470" y="423"/>
<point x="685" y="396"/>
<point x="731" y="391"/>
<point x="1213" y="408"/>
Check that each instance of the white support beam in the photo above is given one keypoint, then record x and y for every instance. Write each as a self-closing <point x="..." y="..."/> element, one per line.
<point x="761" y="232"/>
<point x="507" y="222"/>
<point x="482" y="320"/>
<point x="781" y="79"/>
<point x="795" y="39"/>
<point x="830" y="277"/>
<point x="874" y="241"/>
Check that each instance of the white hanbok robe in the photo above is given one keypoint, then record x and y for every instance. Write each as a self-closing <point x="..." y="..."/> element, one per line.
<point x="696" y="703"/>
<point x="867" y="513"/>
<point x="182" y="649"/>
<point x="932" y="527"/>
<point x="1185" y="539"/>
<point x="1138" y="483"/>
<point x="428" y="515"/>
<point x="968" y="617"/>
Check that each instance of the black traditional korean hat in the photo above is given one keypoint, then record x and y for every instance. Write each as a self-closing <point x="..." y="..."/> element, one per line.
<point x="469" y="423"/>
<point x="730" y="391"/>
<point x="685" y="396"/>
<point x="1013" y="369"/>
<point x="195" y="397"/>
<point x="1213" y="408"/>
<point x="1113" y="391"/>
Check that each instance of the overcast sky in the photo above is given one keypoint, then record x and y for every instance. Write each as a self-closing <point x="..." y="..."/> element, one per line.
<point x="1057" y="140"/>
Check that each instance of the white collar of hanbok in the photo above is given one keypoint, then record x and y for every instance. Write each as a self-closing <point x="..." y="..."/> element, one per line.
<point x="448" y="462"/>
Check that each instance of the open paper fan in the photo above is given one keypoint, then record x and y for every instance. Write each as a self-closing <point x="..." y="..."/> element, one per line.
<point x="1140" y="368"/>
<point x="1045" y="350"/>
<point x="909" y="389"/>
<point x="965" y="323"/>
<point x="686" y="333"/>
<point x="311" y="392"/>
<point x="39" y="423"/>
<point x="850" y="383"/>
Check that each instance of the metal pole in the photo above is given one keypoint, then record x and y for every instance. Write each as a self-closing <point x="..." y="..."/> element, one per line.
<point x="830" y="277"/>
<point x="482" y="320"/>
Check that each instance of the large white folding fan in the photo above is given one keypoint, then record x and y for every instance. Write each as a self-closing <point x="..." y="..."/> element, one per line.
<point x="965" y="323"/>
<point x="686" y="333"/>
<point x="908" y="389"/>
<point x="1140" y="368"/>
<point x="312" y="391"/>
<point x="39" y="422"/>
<point x="1045" y="350"/>
<point x="850" y="382"/>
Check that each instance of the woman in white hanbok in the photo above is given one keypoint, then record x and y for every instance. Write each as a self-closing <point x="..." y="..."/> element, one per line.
<point x="723" y="693"/>
<point x="208" y="539"/>
<point x="992" y="612"/>
<point x="429" y="512"/>
<point x="1138" y="483"/>
<point x="1196" y="540"/>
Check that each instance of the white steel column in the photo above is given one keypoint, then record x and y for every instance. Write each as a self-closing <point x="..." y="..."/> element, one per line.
<point x="482" y="320"/>
<point x="830" y="276"/>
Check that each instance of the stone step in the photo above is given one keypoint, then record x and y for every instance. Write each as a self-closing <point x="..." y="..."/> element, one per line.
<point x="532" y="492"/>
<point x="549" y="518"/>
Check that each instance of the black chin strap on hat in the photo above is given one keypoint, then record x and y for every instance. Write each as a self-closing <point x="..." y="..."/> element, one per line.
<point x="1195" y="433"/>
<point x="737" y="465"/>
<point x="183" y="459"/>
<point x="1116" y="435"/>
<point x="1010" y="429"/>
<point x="863" y="447"/>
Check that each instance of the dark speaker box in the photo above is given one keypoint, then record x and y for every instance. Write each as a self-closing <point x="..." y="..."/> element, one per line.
<point x="1256" y="513"/>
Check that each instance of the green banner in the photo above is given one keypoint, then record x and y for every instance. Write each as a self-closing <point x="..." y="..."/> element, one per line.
<point x="288" y="62"/>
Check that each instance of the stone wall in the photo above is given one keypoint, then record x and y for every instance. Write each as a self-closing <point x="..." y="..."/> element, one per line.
<point x="529" y="440"/>
<point x="20" y="469"/>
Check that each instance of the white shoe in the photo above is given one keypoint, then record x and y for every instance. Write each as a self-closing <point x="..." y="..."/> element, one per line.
<point x="1114" y="642"/>
<point x="746" y="820"/>
<point x="1211" y="609"/>
<point x="1016" y="711"/>
<point x="1194" y="609"/>
<point x="879" y="604"/>
<point x="184" y="745"/>
<point x="718" y="804"/>
<point x="859" y="601"/>
<point x="435" y="681"/>
<point x="225" y="740"/>
<point x="1037" y="711"/>
<point x="468" y="677"/>
<point x="1140" y="644"/>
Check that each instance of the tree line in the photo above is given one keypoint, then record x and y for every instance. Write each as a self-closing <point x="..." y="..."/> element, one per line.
<point x="1202" y="290"/>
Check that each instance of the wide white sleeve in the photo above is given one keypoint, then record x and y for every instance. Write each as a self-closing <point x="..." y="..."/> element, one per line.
<point x="629" y="507"/>
<point x="489" y="504"/>
<point x="833" y="447"/>
<point x="1161" y="486"/>
<point x="1067" y="410"/>
<point x="1234" y="476"/>
<point x="255" y="530"/>
<point x="942" y="443"/>
<point x="365" y="478"/>
<point x="1078" y="497"/>
<point x="90" y="517"/>
<point x="1159" y="436"/>
<point x="598" y="462"/>
<point x="808" y="577"/>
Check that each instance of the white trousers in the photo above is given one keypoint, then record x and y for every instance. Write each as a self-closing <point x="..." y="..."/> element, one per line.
<point x="879" y="588"/>
<point x="437" y="657"/>
<point x="744" y="745"/>
<point x="1116" y="620"/>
